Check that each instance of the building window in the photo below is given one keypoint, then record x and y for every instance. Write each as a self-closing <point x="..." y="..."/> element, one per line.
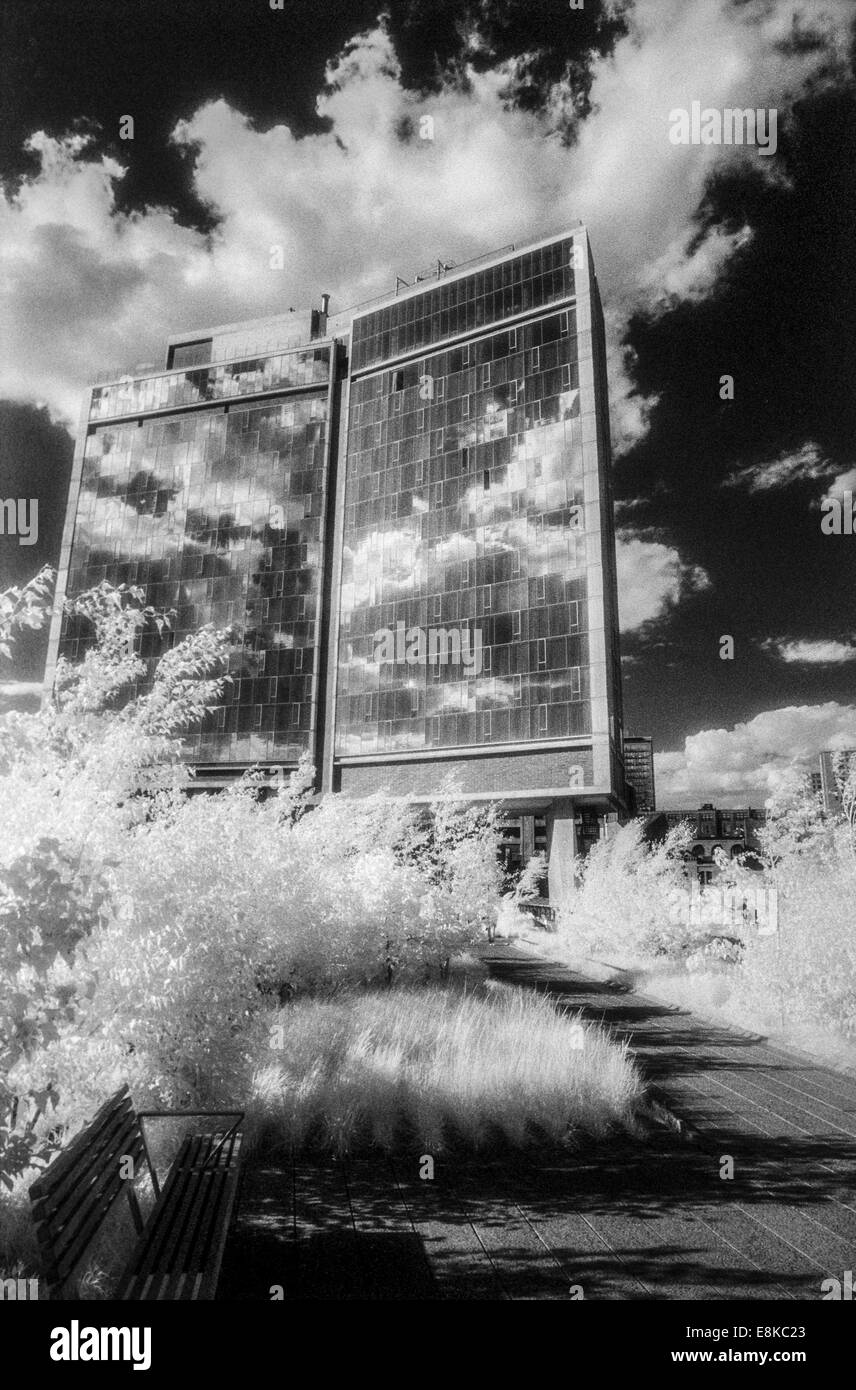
<point x="465" y="406"/>
<point x="542" y="719"/>
<point x="487" y="659"/>
<point x="298" y="658"/>
<point x="535" y="360"/>
<point x="542" y="652"/>
<point x="487" y="726"/>
<point x="486" y="480"/>
<point x="420" y="419"/>
<point x="418" y="471"/>
<point x="564" y="325"/>
<point x="257" y="716"/>
<point x="398" y="380"/>
<point x="437" y="607"/>
<point x="515" y="625"/>
<point x="487" y="597"/>
<point x="541" y="589"/>
<point x="396" y="452"/>
<point x="486" y="374"/>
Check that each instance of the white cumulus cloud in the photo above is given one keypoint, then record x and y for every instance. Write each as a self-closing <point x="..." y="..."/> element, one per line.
<point x="85" y="288"/>
<point x="746" y="764"/>
<point x="652" y="578"/>
<point x="807" y="652"/>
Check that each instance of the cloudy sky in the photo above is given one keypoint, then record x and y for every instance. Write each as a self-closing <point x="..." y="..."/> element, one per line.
<point x="299" y="127"/>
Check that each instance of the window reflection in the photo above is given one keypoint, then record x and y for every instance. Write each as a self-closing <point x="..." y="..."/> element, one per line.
<point x="219" y="516"/>
<point x="464" y="512"/>
<point x="219" y="381"/>
<point x="518" y="284"/>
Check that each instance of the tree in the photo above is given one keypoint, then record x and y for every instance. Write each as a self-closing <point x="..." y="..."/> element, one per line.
<point x="71" y="778"/>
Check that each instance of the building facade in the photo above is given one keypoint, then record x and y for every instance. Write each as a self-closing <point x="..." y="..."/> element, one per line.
<point x="733" y="831"/>
<point x="403" y="515"/>
<point x="639" y="771"/>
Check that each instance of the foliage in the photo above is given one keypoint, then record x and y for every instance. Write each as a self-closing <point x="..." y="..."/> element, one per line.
<point x="146" y="932"/>
<point x="800" y="975"/>
<point x="27" y="607"/>
<point x="623" y="903"/>
<point x="72" y="779"/>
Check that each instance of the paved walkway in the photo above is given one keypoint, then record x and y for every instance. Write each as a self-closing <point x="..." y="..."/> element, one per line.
<point x="627" y="1220"/>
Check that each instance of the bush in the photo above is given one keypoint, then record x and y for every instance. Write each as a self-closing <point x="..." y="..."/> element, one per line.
<point x="800" y="976"/>
<point x="142" y="932"/>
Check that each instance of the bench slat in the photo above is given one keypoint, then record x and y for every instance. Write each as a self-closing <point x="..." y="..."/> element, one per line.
<point x="152" y="1249"/>
<point x="58" y="1207"/>
<point x="190" y="1231"/>
<point x="70" y="1240"/>
<point x="180" y="1250"/>
<point x="109" y="1114"/>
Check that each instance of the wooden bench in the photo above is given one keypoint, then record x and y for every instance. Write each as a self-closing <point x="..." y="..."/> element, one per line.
<point x="180" y="1246"/>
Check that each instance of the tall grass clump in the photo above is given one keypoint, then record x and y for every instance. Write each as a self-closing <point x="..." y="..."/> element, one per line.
<point x="437" y="1066"/>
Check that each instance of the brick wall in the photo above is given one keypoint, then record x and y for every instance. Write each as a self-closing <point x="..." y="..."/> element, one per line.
<point x="500" y="775"/>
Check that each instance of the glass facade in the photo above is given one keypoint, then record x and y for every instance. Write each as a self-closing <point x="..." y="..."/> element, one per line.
<point x="464" y="608"/>
<point x="218" y="513"/>
<point x="514" y="286"/>
<point x="454" y="607"/>
<point x="217" y="382"/>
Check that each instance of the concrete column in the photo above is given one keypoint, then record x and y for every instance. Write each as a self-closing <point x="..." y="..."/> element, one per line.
<point x="561" y="849"/>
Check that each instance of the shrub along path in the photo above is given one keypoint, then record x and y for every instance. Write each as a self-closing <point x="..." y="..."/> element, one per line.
<point x="647" y="1218"/>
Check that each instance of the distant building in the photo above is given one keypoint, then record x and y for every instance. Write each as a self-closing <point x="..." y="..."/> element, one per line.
<point x="733" y="831"/>
<point x="639" y="772"/>
<point x="828" y="787"/>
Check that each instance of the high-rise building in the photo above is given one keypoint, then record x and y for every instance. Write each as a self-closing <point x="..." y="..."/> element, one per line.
<point x="404" y="515"/>
<point x="639" y="771"/>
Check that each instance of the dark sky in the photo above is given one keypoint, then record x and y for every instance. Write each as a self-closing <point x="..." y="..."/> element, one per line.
<point x="778" y="316"/>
